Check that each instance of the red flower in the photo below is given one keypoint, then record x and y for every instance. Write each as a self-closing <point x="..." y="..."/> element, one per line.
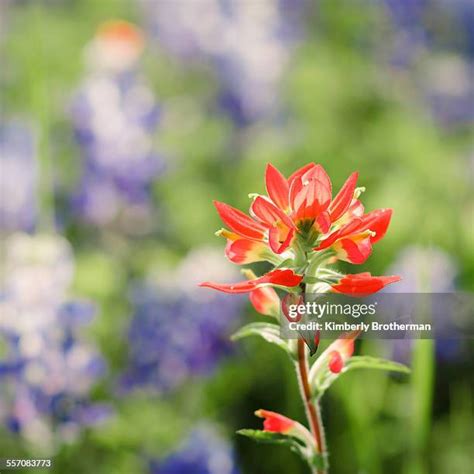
<point x="336" y="354"/>
<point x="310" y="196"/>
<point x="305" y="197"/>
<point x="243" y="251"/>
<point x="353" y="241"/>
<point x="276" y="423"/>
<point x="240" y="223"/>
<point x="301" y="207"/>
<point x="278" y="277"/>
<point x="280" y="227"/>
<point x="341" y="203"/>
<point x="340" y="350"/>
<point x="362" y="284"/>
<point x="265" y="300"/>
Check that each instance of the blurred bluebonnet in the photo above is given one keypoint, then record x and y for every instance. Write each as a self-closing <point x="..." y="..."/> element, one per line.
<point x="115" y="117"/>
<point x="247" y="44"/>
<point x="427" y="270"/>
<point x="18" y="176"/>
<point x="434" y="41"/>
<point x="46" y="370"/>
<point x="203" y="452"/>
<point x="178" y="332"/>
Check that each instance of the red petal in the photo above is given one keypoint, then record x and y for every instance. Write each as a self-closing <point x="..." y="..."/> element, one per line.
<point x="274" y="422"/>
<point x="377" y="221"/>
<point x="310" y="200"/>
<point x="274" y="240"/>
<point x="354" y="251"/>
<point x="343" y="199"/>
<point x="356" y="209"/>
<point x="277" y="187"/>
<point x="243" y="251"/>
<point x="352" y="227"/>
<point x="239" y="222"/>
<point x="363" y="284"/>
<point x="300" y="172"/>
<point x="336" y="363"/>
<point x="318" y="173"/>
<point x="323" y="222"/>
<point x="278" y="277"/>
<point x="284" y="277"/>
<point x="268" y="213"/>
<point x="265" y="301"/>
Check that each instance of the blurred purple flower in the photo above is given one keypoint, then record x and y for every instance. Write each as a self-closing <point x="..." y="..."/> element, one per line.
<point x="434" y="41"/>
<point x="248" y="44"/>
<point x="176" y="331"/>
<point x="115" y="116"/>
<point x="18" y="177"/>
<point x="46" y="371"/>
<point x="204" y="452"/>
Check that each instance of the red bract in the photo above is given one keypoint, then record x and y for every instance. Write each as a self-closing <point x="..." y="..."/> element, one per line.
<point x="277" y="277"/>
<point x="353" y="241"/>
<point x="275" y="423"/>
<point x="343" y="200"/>
<point x="304" y="201"/>
<point x="243" y="251"/>
<point x="280" y="227"/>
<point x="338" y="352"/>
<point x="240" y="223"/>
<point x="266" y="301"/>
<point x="362" y="284"/>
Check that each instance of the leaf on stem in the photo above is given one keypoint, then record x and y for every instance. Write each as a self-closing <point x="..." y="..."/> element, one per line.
<point x="269" y="332"/>
<point x="295" y="444"/>
<point x="323" y="378"/>
<point x="367" y="362"/>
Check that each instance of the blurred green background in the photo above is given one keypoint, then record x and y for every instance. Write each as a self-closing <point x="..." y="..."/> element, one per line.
<point x="344" y="102"/>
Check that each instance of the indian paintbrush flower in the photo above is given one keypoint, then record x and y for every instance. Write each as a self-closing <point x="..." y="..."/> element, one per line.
<point x="299" y="222"/>
<point x="301" y="229"/>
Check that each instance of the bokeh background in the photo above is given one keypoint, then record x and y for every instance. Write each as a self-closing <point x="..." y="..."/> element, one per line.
<point x="114" y="140"/>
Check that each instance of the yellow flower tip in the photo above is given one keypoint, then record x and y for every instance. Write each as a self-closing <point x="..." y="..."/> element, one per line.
<point x="227" y="234"/>
<point x="249" y="274"/>
<point x="358" y="191"/>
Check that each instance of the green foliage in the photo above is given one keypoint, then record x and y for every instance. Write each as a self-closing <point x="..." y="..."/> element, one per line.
<point x="368" y="362"/>
<point x="269" y="332"/>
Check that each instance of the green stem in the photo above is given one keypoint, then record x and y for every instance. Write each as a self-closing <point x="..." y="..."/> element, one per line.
<point x="318" y="259"/>
<point x="422" y="382"/>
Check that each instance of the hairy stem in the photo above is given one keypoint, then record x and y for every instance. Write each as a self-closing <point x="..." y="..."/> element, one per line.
<point x="312" y="411"/>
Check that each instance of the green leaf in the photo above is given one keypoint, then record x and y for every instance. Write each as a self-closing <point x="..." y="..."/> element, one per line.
<point x="271" y="438"/>
<point x="367" y="362"/>
<point x="323" y="378"/>
<point x="295" y="444"/>
<point x="269" y="332"/>
<point x="286" y="263"/>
